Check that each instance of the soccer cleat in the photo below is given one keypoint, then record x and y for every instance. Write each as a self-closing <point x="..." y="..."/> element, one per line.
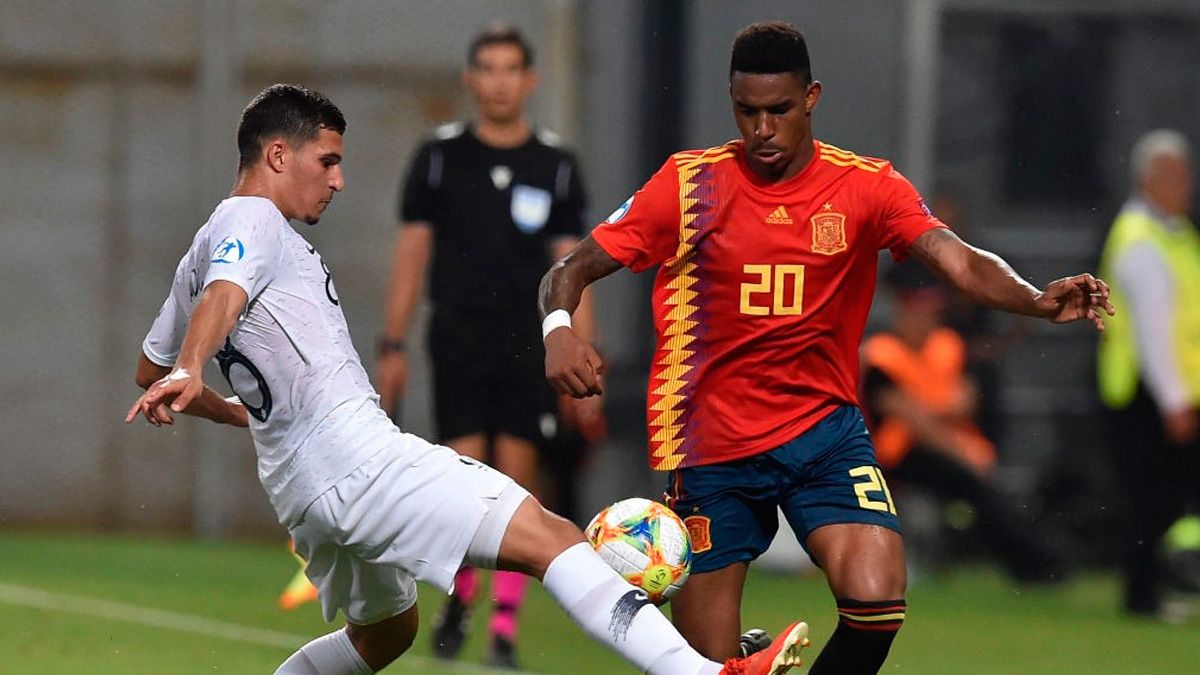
<point x="299" y="590"/>
<point x="502" y="653"/>
<point x="780" y="657"/>
<point x="450" y="628"/>
<point x="753" y="641"/>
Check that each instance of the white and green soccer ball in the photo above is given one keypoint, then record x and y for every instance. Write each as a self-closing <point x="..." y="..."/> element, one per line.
<point x="646" y="543"/>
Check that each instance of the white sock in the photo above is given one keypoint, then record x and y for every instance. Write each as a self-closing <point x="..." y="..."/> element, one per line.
<point x="331" y="654"/>
<point x="619" y="615"/>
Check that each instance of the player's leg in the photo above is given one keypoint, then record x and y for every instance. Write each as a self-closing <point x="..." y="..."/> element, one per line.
<point x="355" y="649"/>
<point x="450" y="626"/>
<point x="864" y="565"/>
<point x="846" y="520"/>
<point x="460" y="406"/>
<point x="517" y="457"/>
<point x="378" y="601"/>
<point x="608" y="608"/>
<point x="730" y="513"/>
<point x="708" y="610"/>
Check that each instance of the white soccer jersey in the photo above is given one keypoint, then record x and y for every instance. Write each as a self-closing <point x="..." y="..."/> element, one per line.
<point x="314" y="415"/>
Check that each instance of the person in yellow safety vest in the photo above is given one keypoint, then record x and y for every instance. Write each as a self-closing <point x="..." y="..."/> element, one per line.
<point x="1148" y="361"/>
<point x="921" y="406"/>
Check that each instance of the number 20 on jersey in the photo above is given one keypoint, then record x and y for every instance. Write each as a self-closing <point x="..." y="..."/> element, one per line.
<point x="772" y="290"/>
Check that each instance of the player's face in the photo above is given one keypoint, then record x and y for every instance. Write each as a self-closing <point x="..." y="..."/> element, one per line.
<point x="774" y="115"/>
<point x="500" y="82"/>
<point x="1169" y="184"/>
<point x="315" y="174"/>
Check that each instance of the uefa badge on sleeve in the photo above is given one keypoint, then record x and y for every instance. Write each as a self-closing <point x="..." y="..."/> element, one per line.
<point x="230" y="250"/>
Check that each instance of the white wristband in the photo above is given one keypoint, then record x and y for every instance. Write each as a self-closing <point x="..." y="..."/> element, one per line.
<point x="556" y="319"/>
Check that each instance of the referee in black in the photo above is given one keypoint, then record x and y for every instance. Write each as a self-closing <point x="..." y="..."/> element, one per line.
<point x="490" y="203"/>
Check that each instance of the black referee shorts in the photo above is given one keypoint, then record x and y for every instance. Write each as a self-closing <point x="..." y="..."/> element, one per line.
<point x="489" y="378"/>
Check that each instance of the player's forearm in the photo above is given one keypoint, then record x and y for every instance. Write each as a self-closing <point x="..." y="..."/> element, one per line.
<point x="212" y="321"/>
<point x="982" y="275"/>
<point x="563" y="284"/>
<point x="561" y="288"/>
<point x="992" y="282"/>
<point x="212" y="406"/>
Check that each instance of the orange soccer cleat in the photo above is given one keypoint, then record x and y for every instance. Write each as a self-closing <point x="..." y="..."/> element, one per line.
<point x="780" y="657"/>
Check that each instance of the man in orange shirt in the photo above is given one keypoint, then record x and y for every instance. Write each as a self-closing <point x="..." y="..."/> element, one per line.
<point x="922" y="407"/>
<point x="766" y="250"/>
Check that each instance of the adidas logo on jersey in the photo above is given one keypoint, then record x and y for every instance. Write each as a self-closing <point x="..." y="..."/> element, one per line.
<point x="779" y="217"/>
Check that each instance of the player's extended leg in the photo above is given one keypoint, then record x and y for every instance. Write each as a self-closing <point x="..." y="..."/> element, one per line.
<point x="550" y="548"/>
<point x="708" y="611"/>
<point x="864" y="565"/>
<point x="450" y="626"/>
<point x="518" y="458"/>
<point x="355" y="650"/>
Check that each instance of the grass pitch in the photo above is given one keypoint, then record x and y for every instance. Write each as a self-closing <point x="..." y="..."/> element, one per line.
<point x="101" y="604"/>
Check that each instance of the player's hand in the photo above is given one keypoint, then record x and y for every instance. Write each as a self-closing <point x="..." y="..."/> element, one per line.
<point x="1080" y="297"/>
<point x="391" y="374"/>
<point x="585" y="415"/>
<point x="1181" y="426"/>
<point x="176" y="391"/>
<point x="573" y="366"/>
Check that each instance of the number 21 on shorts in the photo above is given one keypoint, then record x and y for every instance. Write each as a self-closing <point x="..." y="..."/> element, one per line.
<point x="872" y="482"/>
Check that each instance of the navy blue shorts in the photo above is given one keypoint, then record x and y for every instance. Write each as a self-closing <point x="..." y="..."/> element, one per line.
<point x="826" y="475"/>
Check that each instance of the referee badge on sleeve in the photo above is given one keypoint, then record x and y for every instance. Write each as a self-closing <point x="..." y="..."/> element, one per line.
<point x="530" y="208"/>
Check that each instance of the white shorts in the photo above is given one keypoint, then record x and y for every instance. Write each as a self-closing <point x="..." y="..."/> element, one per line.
<point x="410" y="513"/>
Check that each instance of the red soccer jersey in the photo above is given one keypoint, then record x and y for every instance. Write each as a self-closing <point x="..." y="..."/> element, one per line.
<point x="762" y="292"/>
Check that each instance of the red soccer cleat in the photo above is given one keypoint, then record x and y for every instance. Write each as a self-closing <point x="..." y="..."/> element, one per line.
<point x="780" y="657"/>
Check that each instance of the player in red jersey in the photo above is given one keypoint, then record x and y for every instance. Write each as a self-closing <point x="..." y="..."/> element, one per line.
<point x="766" y="249"/>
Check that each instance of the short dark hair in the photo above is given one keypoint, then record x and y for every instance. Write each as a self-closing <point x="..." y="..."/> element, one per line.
<point x="770" y="47"/>
<point x="289" y="110"/>
<point x="499" y="34"/>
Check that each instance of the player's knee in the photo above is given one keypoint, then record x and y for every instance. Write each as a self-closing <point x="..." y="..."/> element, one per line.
<point x="535" y="537"/>
<point x="381" y="643"/>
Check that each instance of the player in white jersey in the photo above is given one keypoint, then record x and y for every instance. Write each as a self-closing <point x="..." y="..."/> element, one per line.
<point x="371" y="509"/>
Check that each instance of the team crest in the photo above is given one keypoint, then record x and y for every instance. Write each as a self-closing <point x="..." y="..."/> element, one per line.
<point x="829" y="233"/>
<point x="700" y="530"/>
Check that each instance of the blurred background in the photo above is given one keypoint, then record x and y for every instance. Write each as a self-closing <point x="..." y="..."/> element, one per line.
<point x="117" y="127"/>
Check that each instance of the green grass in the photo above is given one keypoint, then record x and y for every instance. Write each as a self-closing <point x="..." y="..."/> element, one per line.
<point x="972" y="621"/>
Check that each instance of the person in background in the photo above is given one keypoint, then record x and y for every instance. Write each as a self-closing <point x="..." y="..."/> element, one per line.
<point x="921" y="407"/>
<point x="487" y="204"/>
<point x="1148" y="363"/>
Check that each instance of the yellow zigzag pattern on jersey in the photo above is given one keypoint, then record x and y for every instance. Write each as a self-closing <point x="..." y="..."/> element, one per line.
<point x="678" y="323"/>
<point x="839" y="157"/>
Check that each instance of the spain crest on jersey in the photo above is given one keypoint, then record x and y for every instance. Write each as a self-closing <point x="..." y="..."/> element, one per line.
<point x="829" y="233"/>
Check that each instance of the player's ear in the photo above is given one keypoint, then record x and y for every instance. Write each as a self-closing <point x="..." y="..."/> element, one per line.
<point x="530" y="80"/>
<point x="274" y="153"/>
<point x="812" y="96"/>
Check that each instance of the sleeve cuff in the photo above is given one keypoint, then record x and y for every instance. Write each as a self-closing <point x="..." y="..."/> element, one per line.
<point x="156" y="358"/>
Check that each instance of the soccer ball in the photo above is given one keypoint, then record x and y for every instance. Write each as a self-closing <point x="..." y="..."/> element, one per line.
<point x="646" y="543"/>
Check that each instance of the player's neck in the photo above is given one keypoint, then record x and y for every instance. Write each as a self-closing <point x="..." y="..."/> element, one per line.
<point x="804" y="155"/>
<point x="502" y="134"/>
<point x="250" y="184"/>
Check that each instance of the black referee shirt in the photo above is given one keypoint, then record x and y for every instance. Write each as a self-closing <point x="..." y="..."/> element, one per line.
<point x="494" y="213"/>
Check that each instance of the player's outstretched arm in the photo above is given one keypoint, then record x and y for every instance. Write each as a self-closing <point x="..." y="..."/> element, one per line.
<point x="572" y="365"/>
<point x="213" y="319"/>
<point x="987" y="279"/>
